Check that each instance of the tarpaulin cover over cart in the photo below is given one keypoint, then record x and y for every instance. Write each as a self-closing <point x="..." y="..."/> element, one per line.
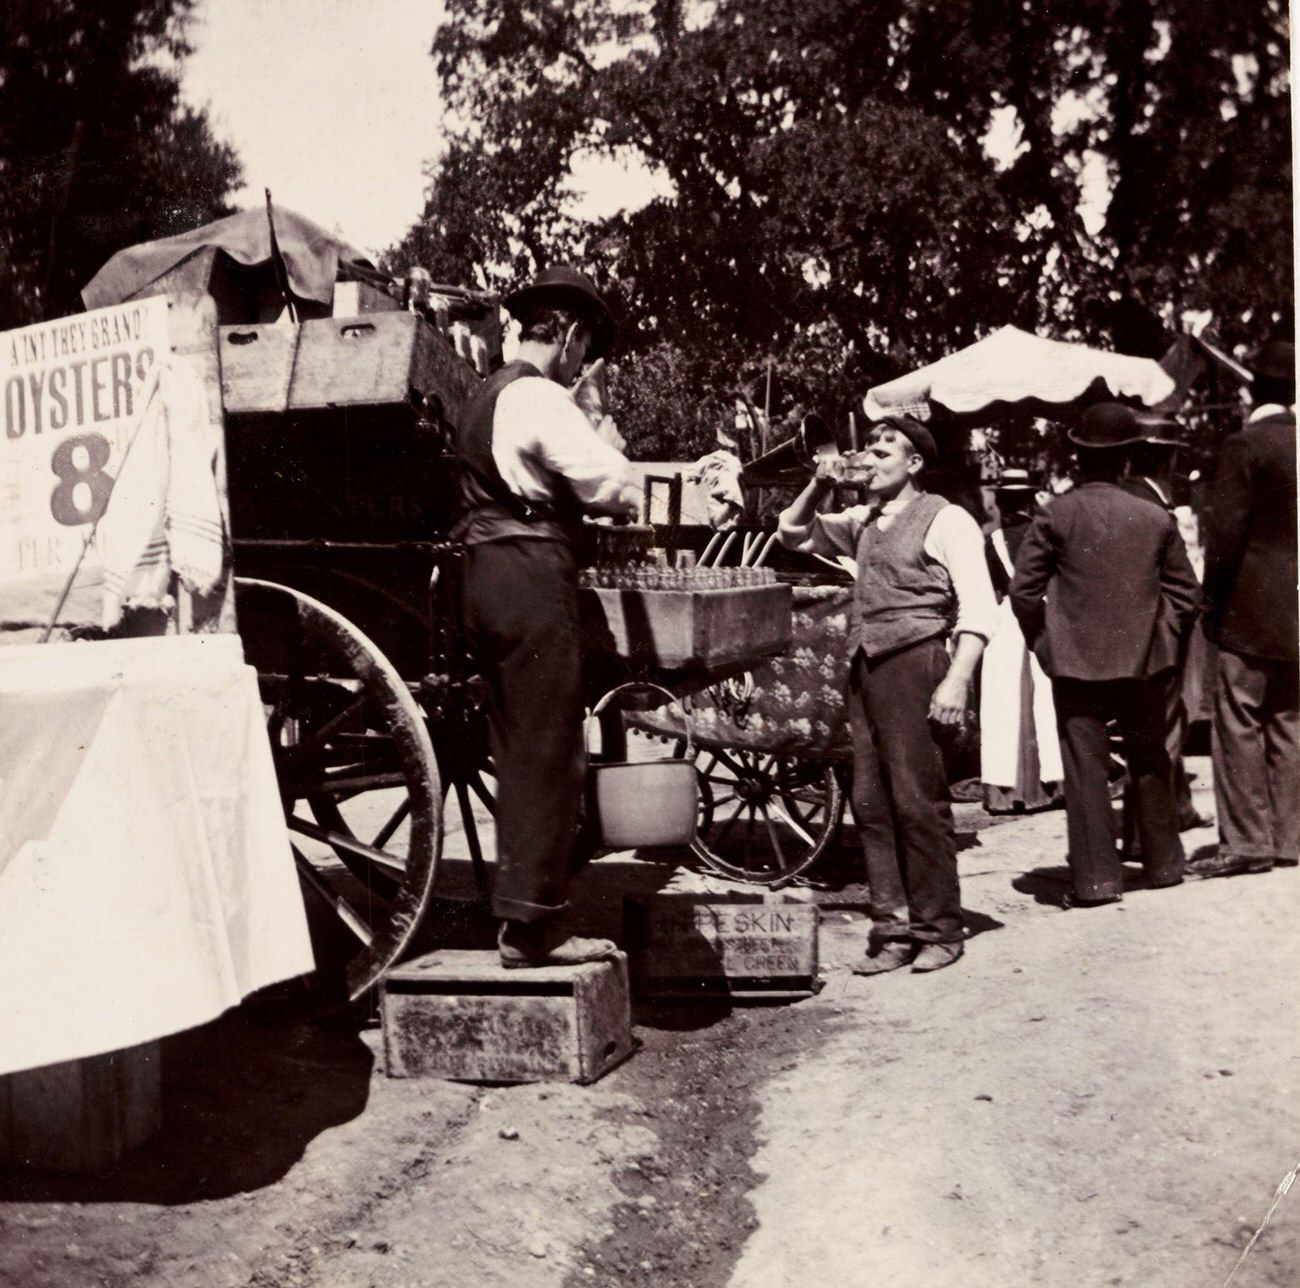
<point x="311" y="255"/>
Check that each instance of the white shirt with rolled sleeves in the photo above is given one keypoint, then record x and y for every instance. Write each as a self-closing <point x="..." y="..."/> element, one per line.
<point x="538" y="430"/>
<point x="953" y="540"/>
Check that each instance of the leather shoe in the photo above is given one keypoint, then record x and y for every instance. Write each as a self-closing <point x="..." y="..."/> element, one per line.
<point x="1073" y="900"/>
<point x="1193" y="821"/>
<point x="1227" y="865"/>
<point x="893" y="954"/>
<point x="936" y="957"/>
<point x="523" y="945"/>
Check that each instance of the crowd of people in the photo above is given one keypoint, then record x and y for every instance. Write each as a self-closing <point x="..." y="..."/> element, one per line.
<point x="1081" y="612"/>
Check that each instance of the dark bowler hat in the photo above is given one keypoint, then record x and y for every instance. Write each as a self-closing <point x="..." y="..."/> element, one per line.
<point x="1013" y="481"/>
<point x="1273" y="379"/>
<point x="1276" y="361"/>
<point x="561" y="286"/>
<point x="1112" y="424"/>
<point x="914" y="432"/>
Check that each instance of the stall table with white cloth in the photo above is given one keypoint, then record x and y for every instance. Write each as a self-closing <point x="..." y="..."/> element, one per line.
<point x="146" y="879"/>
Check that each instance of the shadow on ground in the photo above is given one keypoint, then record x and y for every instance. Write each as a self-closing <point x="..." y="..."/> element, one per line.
<point x="243" y="1097"/>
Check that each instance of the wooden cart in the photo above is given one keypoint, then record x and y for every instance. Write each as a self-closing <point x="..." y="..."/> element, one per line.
<point x="341" y="479"/>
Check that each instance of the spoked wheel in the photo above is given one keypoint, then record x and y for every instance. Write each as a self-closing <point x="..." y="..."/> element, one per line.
<point x="357" y="776"/>
<point x="764" y="818"/>
<point x="472" y="792"/>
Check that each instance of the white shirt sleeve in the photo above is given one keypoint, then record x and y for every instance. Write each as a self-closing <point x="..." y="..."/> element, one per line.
<point x="954" y="539"/>
<point x="824" y="534"/>
<point x="538" y="429"/>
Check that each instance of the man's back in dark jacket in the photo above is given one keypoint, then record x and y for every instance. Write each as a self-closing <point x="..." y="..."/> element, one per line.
<point x="1250" y="558"/>
<point x="1120" y="592"/>
<point x="1145" y="490"/>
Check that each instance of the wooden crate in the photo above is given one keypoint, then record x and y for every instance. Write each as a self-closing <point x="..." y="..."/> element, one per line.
<point x="379" y="359"/>
<point x="458" y="1014"/>
<point x="689" y="629"/>
<point x="81" y="1115"/>
<point x="708" y="946"/>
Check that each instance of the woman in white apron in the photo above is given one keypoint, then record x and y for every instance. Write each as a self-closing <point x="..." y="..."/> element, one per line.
<point x="1020" y="755"/>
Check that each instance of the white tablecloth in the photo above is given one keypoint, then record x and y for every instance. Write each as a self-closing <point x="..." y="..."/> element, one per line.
<point x="146" y="880"/>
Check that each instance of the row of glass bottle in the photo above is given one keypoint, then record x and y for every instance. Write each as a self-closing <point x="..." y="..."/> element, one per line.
<point x="656" y="577"/>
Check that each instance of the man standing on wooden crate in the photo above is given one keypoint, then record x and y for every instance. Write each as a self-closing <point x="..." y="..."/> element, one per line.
<point x="1250" y="588"/>
<point x="531" y="467"/>
<point x="921" y="577"/>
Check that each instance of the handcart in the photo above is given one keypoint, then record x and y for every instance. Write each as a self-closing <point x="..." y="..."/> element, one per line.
<point x="772" y="748"/>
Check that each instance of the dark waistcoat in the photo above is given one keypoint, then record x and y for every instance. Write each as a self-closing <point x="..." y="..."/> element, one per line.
<point x="902" y="596"/>
<point x="489" y="510"/>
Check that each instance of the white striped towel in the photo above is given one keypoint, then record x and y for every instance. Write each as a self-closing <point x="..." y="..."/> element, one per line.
<point x="164" y="513"/>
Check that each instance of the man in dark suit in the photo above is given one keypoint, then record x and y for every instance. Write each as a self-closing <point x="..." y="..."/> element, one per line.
<point x="1250" y="592"/>
<point x="1149" y="476"/>
<point x="1105" y="595"/>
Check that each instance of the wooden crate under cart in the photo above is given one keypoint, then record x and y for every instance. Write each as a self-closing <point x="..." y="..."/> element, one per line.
<point x="460" y="1015"/>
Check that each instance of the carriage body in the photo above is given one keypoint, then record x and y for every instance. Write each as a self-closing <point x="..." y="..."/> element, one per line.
<point x="340" y="470"/>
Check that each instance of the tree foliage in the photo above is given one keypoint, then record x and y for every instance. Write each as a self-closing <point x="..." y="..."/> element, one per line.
<point x="836" y="197"/>
<point x="96" y="150"/>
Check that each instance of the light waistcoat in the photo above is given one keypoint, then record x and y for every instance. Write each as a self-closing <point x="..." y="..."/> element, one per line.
<point x="902" y="596"/>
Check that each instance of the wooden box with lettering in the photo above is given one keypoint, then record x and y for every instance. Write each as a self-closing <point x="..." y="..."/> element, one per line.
<point x="81" y="1115"/>
<point x="709" y="946"/>
<point x="459" y="1015"/>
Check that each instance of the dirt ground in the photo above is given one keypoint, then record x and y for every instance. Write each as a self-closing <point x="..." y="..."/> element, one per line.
<point x="1091" y="1097"/>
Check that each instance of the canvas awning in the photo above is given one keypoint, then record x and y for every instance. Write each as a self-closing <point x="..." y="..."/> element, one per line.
<point x="1014" y="369"/>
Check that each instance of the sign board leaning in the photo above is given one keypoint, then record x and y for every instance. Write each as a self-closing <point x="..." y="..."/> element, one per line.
<point x="72" y="392"/>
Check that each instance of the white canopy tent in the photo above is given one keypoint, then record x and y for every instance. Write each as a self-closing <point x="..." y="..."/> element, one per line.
<point x="1012" y="368"/>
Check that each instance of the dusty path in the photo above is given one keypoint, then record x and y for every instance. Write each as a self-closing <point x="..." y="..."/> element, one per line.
<point x="1089" y="1098"/>
<point x="1101" y="1097"/>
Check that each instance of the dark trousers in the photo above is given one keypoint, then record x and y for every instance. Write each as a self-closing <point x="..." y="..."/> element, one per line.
<point x="1176" y="726"/>
<point x="900" y="795"/>
<point x="1083" y="708"/>
<point x="521" y="615"/>
<point x="1256" y="759"/>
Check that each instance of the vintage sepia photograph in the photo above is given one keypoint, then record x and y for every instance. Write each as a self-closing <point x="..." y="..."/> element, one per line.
<point x="648" y="644"/>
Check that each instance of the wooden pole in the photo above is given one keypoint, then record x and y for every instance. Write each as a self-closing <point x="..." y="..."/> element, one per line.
<point x="767" y="406"/>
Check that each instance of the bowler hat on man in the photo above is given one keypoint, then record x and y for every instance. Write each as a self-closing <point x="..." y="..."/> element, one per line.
<point x="562" y="286"/>
<point x="1113" y="424"/>
<point x="1273" y="373"/>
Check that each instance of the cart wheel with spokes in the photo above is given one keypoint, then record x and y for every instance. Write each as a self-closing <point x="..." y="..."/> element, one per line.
<point x="357" y="776"/>
<point x="471" y="786"/>
<point x="764" y="818"/>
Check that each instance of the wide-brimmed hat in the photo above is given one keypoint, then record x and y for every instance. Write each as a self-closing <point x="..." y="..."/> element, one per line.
<point x="1112" y="424"/>
<point x="1015" y="481"/>
<point x="914" y="432"/>
<point x="565" y="287"/>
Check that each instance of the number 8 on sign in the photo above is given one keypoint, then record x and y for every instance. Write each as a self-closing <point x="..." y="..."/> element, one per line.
<point x="83" y="491"/>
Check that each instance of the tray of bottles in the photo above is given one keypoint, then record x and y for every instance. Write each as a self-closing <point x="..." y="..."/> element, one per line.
<point x="688" y="619"/>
